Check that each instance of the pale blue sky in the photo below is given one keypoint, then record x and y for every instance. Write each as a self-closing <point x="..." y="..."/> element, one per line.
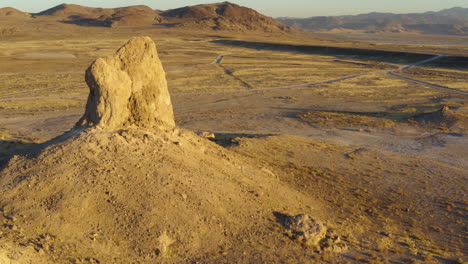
<point x="275" y="8"/>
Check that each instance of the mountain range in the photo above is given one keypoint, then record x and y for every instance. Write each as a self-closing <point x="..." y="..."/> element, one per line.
<point x="219" y="16"/>
<point x="226" y="16"/>
<point x="452" y="21"/>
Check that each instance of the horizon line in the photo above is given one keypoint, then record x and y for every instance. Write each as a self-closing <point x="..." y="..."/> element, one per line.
<point x="297" y="17"/>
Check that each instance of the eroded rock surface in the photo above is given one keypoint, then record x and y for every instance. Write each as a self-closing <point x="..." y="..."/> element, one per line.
<point x="128" y="89"/>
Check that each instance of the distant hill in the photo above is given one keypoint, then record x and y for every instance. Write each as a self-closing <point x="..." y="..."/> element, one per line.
<point x="12" y="13"/>
<point x="66" y="11"/>
<point x="452" y="21"/>
<point x="223" y="16"/>
<point x="220" y="16"/>
<point x="131" y="16"/>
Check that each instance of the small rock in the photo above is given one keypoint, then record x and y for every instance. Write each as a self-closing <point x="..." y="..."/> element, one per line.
<point x="207" y="134"/>
<point x="307" y="229"/>
<point x="383" y="233"/>
<point x="338" y="248"/>
<point x="269" y="172"/>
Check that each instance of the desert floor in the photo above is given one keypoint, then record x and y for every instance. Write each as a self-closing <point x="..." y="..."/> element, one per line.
<point x="344" y="130"/>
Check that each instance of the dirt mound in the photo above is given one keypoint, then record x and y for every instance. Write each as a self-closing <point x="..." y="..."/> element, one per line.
<point x="141" y="196"/>
<point x="128" y="89"/>
<point x="223" y="16"/>
<point x="443" y="118"/>
<point x="12" y="13"/>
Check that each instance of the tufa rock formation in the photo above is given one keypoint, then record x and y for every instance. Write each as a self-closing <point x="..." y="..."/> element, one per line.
<point x="124" y="191"/>
<point x="444" y="118"/>
<point x="128" y="89"/>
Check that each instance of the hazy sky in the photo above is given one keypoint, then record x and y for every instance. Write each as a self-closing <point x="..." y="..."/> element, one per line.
<point x="275" y="8"/>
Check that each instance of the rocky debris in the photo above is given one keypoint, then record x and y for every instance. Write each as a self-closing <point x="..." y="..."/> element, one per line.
<point x="333" y="243"/>
<point x="311" y="233"/>
<point x="305" y="229"/>
<point x="207" y="134"/>
<point x="128" y="89"/>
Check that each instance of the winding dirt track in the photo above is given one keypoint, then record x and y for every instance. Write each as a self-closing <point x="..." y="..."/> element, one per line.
<point x="407" y="67"/>
<point x="427" y="84"/>
<point x="220" y="58"/>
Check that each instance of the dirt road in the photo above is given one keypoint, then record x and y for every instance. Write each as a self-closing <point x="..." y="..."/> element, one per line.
<point x="220" y="58"/>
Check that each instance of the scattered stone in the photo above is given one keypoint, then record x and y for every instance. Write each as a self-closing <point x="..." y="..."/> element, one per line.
<point x="269" y="172"/>
<point x="310" y="232"/>
<point x="333" y="243"/>
<point x="164" y="242"/>
<point x="207" y="134"/>
<point x="383" y="233"/>
<point x="306" y="229"/>
<point x="128" y="89"/>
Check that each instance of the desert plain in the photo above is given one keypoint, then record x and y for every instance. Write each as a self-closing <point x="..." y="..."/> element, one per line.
<point x="366" y="133"/>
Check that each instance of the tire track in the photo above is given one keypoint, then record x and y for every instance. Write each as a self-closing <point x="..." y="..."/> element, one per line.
<point x="407" y="67"/>
<point x="217" y="62"/>
<point x="427" y="83"/>
<point x="310" y="85"/>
